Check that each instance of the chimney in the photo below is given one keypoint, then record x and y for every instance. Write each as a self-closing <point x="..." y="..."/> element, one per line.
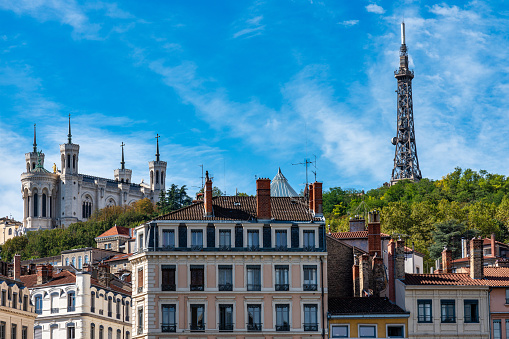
<point x="464" y="248"/>
<point x="396" y="265"/>
<point x="44" y="274"/>
<point x="17" y="266"/>
<point x="311" y="202"/>
<point x="263" y="208"/>
<point x="476" y="259"/>
<point x="378" y="276"/>
<point x="374" y="238"/>
<point x="355" y="273"/>
<point x="364" y="277"/>
<point x="207" y="201"/>
<point x="103" y="274"/>
<point x="493" y="247"/>
<point x="357" y="224"/>
<point x="317" y="198"/>
<point x="446" y="261"/>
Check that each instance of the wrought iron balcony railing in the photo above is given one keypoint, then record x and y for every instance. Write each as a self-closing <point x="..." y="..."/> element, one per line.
<point x="255" y="327"/>
<point x="225" y="287"/>
<point x="254" y="287"/>
<point x="168" y="327"/>
<point x="225" y="326"/>
<point x="168" y="287"/>
<point x="283" y="327"/>
<point x="310" y="287"/>
<point x="282" y="287"/>
<point x="54" y="310"/>
<point x="71" y="308"/>
<point x="196" y="287"/>
<point x="197" y="327"/>
<point x="310" y="327"/>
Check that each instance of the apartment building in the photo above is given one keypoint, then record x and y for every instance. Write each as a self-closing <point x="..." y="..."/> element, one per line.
<point x="232" y="266"/>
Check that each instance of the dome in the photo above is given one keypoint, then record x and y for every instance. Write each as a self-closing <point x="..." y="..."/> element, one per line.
<point x="279" y="187"/>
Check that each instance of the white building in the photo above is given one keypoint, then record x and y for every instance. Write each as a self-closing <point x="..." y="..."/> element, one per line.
<point x="65" y="196"/>
<point x="76" y="305"/>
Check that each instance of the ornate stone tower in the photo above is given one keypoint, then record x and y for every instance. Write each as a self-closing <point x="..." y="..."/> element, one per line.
<point x="69" y="204"/>
<point x="406" y="163"/>
<point x="122" y="174"/>
<point x="32" y="157"/>
<point x="157" y="174"/>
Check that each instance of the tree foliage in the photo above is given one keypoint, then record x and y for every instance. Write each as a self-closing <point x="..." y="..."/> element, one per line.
<point x="173" y="199"/>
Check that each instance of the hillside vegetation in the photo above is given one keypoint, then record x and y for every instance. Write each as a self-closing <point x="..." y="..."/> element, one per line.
<point x="431" y="214"/>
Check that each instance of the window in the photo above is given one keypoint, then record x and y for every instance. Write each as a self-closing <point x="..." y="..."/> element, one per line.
<point x="168" y="312"/>
<point x="507" y="328"/>
<point x="367" y="331"/>
<point x="309" y="239"/>
<point x="73" y="262"/>
<point x="127" y="335"/>
<point x="92" y="302"/>
<point x="140" y="320"/>
<point x="14" y="331"/>
<point x="66" y="261"/>
<point x="196" y="239"/>
<point x="140" y="280"/>
<point x="226" y="317"/>
<point x="141" y="246"/>
<point x="225" y="278"/>
<point x="282" y="318"/>
<point x="127" y="311"/>
<point x="225" y="239"/>
<point x="38" y="304"/>
<point x="168" y="278"/>
<point x="197" y="318"/>
<point x="395" y="331"/>
<point x="119" y="334"/>
<point x="310" y="282"/>
<point x="71" y="334"/>
<point x="424" y="311"/>
<point x="117" y="308"/>
<point x="253" y="240"/>
<point x="281" y="240"/>
<point x="2" y="330"/>
<point x="86" y="259"/>
<point x="340" y="331"/>
<point x="101" y="332"/>
<point x="253" y="278"/>
<point x="197" y="278"/>
<point x="10" y="231"/>
<point x="80" y="263"/>
<point x="282" y="278"/>
<point x="4" y="297"/>
<point x="25" y="303"/>
<point x="86" y="208"/>
<point x="71" y="301"/>
<point x="497" y="329"/>
<point x="168" y="239"/>
<point x="110" y="307"/>
<point x="310" y="318"/>
<point x="24" y="332"/>
<point x="54" y="302"/>
<point x="507" y="295"/>
<point x="448" y="311"/>
<point x="254" y="318"/>
<point x="36" y="205"/>
<point x="471" y="311"/>
<point x="15" y="300"/>
<point x="110" y="333"/>
<point x="92" y="331"/>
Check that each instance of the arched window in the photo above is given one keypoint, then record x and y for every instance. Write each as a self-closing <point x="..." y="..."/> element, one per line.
<point x="33" y="165"/>
<point x="66" y="261"/>
<point x="110" y="333"/>
<point x="92" y="331"/>
<point x="71" y="301"/>
<point x="86" y="258"/>
<point x="86" y="208"/>
<point x="151" y="178"/>
<point x="74" y="161"/>
<point x="63" y="161"/>
<point x="36" y="205"/>
<point x="119" y="334"/>
<point x="10" y="231"/>
<point x="110" y="307"/>
<point x="101" y="332"/>
<point x="68" y="161"/>
<point x="157" y="177"/>
<point x="73" y="262"/>
<point x="43" y="212"/>
<point x="80" y="264"/>
<point x="28" y="167"/>
<point x="122" y="180"/>
<point x="162" y="177"/>
<point x="38" y="304"/>
<point x="117" y="308"/>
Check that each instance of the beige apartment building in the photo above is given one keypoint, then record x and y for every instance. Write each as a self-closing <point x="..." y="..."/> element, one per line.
<point x="233" y="267"/>
<point x="9" y="228"/>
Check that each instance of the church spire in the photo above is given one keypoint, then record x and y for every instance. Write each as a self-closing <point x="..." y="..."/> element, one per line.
<point x="157" y="149"/>
<point x="122" y="163"/>
<point x="69" y="136"/>
<point x="35" y="142"/>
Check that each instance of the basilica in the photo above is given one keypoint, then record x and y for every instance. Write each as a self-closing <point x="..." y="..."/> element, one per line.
<point x="63" y="196"/>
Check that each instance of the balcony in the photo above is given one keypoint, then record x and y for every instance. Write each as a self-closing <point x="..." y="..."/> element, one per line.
<point x="254" y="327"/>
<point x="284" y="327"/>
<point x="197" y="327"/>
<point x="168" y="327"/>
<point x="140" y="289"/>
<point x="254" y="287"/>
<point x="253" y="248"/>
<point x="196" y="287"/>
<point x="282" y="287"/>
<point x="281" y="248"/>
<point x="310" y="287"/>
<point x="308" y="248"/>
<point x="71" y="308"/>
<point x="168" y="287"/>
<point x="311" y="327"/>
<point x="196" y="247"/>
<point x="225" y="247"/>
<point x="54" y="310"/>
<point x="225" y="287"/>
<point x="225" y="326"/>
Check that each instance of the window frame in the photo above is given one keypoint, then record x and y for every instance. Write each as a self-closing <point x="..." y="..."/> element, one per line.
<point x="448" y="305"/>
<point x="395" y="325"/>
<point x="253" y="285"/>
<point x="310" y="326"/>
<point x="282" y="277"/>
<point x="497" y="334"/>
<point x="194" y="238"/>
<point x="253" y="326"/>
<point x="471" y="302"/>
<point x="223" y="324"/>
<point x="375" y="326"/>
<point x="223" y="283"/>
<point x="424" y="302"/>
<point x="280" y="309"/>
<point x="166" y="236"/>
<point x="199" y="325"/>
<point x="171" y="325"/>
<point x="347" y="326"/>
<point x="307" y="284"/>
<point x="223" y="235"/>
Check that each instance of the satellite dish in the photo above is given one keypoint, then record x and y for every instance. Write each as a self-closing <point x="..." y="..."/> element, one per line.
<point x="394" y="141"/>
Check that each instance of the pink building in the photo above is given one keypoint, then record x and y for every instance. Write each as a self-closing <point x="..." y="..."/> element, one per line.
<point x="233" y="266"/>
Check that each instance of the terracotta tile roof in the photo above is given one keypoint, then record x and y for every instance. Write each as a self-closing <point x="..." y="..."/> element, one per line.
<point x="62" y="278"/>
<point x="119" y="257"/>
<point x="493" y="276"/>
<point x="116" y="230"/>
<point x="371" y="305"/>
<point x="95" y="282"/>
<point x="467" y="259"/>
<point x="487" y="241"/>
<point x="409" y="250"/>
<point x="244" y="208"/>
<point x="354" y="235"/>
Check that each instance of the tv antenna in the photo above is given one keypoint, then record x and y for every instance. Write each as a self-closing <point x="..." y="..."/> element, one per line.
<point x="306" y="163"/>
<point x="202" y="177"/>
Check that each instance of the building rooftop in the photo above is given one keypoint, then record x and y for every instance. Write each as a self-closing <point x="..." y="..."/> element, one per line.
<point x="116" y="230"/>
<point x="119" y="257"/>
<point x="235" y="208"/>
<point x="493" y="276"/>
<point x="371" y="305"/>
<point x="279" y="186"/>
<point x="355" y="235"/>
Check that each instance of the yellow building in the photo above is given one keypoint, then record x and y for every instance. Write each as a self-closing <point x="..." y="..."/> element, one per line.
<point x="366" y="318"/>
<point x="8" y="229"/>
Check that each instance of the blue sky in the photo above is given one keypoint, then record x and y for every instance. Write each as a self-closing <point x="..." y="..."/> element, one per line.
<point x="245" y="87"/>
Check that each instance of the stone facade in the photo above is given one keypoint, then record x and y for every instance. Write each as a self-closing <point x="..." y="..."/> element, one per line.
<point x="9" y="228"/>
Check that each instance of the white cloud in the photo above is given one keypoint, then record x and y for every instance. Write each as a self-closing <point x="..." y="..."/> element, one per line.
<point x="254" y="28"/>
<point x="374" y="8"/>
<point x="349" y="22"/>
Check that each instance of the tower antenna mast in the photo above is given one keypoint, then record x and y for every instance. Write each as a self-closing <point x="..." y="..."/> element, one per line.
<point x="406" y="163"/>
<point x="306" y="163"/>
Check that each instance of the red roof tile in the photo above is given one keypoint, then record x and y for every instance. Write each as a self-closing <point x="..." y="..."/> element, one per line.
<point x="95" y="283"/>
<point x="119" y="257"/>
<point x="354" y="235"/>
<point x="62" y="278"/>
<point x="493" y="276"/>
<point x="115" y="230"/>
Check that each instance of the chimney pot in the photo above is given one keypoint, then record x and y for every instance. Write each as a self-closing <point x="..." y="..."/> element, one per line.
<point x="446" y="261"/>
<point x="17" y="266"/>
<point x="374" y="237"/>
<point x="476" y="259"/>
<point x="207" y="200"/>
<point x="317" y="198"/>
<point x="263" y="202"/>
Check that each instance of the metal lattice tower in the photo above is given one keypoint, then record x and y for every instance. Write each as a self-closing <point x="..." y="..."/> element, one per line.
<point x="406" y="163"/>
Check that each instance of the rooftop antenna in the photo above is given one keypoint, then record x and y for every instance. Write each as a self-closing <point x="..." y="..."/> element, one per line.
<point x="202" y="177"/>
<point x="306" y="163"/>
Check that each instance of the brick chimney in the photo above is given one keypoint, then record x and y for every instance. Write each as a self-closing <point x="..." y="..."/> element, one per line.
<point x="317" y="198"/>
<point x="378" y="275"/>
<point x="207" y="200"/>
<point x="374" y="237"/>
<point x="311" y="198"/>
<point x="103" y="274"/>
<point x="396" y="265"/>
<point x="357" y="224"/>
<point x="263" y="208"/>
<point x="364" y="274"/>
<point x="493" y="247"/>
<point x="44" y="274"/>
<point x="355" y="273"/>
<point x="446" y="261"/>
<point x="17" y="267"/>
<point x="476" y="259"/>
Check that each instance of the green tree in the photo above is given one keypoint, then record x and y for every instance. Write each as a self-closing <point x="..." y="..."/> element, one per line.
<point x="448" y="234"/>
<point x="174" y="198"/>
